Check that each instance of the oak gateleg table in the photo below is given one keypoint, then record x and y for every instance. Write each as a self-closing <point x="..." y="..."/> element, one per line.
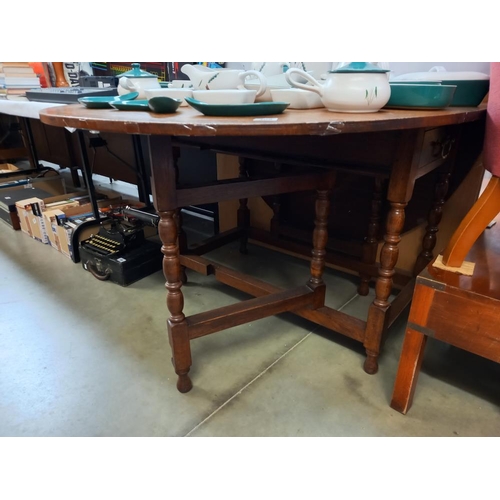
<point x="397" y="145"/>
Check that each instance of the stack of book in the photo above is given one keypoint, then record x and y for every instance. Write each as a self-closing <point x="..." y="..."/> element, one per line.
<point x="16" y="78"/>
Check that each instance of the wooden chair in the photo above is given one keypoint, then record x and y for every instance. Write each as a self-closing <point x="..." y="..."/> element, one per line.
<point x="463" y="311"/>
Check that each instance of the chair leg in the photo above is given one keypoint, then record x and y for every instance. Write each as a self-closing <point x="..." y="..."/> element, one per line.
<point x="408" y="370"/>
<point x="413" y="349"/>
<point x="480" y="215"/>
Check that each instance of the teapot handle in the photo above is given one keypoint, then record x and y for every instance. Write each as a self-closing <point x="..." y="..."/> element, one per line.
<point x="437" y="69"/>
<point x="127" y="84"/>
<point x="259" y="75"/>
<point x="315" y="87"/>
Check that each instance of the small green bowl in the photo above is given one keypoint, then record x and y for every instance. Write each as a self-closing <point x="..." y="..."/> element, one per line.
<point x="164" y="104"/>
<point x="420" y="96"/>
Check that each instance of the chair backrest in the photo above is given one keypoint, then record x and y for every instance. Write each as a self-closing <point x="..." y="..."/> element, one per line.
<point x="491" y="152"/>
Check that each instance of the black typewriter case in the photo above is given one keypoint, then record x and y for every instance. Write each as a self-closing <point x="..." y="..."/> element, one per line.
<point x="125" y="267"/>
<point x="120" y="253"/>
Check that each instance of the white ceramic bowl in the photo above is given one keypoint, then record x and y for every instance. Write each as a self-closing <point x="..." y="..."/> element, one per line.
<point x="226" y="96"/>
<point x="298" y="98"/>
<point x="175" y="93"/>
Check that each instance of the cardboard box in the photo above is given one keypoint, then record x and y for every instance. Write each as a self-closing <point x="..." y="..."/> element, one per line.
<point x="6" y="168"/>
<point x="8" y="200"/>
<point x="50" y="218"/>
<point x="27" y="218"/>
<point x="69" y="219"/>
<point x="64" y="234"/>
<point x="10" y="193"/>
<point x="37" y="223"/>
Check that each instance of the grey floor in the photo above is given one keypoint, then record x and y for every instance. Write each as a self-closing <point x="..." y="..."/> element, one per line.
<point x="80" y="357"/>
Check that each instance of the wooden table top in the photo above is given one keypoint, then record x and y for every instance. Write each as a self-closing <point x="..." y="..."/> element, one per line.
<point x="189" y="122"/>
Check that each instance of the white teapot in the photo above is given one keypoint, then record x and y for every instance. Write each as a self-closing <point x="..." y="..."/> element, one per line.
<point x="137" y="80"/>
<point x="271" y="68"/>
<point x="205" y="78"/>
<point x="358" y="87"/>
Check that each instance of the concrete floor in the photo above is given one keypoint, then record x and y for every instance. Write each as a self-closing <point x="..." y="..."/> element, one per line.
<point x="80" y="357"/>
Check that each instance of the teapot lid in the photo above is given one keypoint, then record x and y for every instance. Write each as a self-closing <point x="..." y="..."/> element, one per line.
<point x="360" y="67"/>
<point x="137" y="72"/>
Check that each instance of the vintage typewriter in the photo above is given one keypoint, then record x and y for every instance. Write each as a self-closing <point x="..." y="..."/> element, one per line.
<point x="68" y="95"/>
<point x="114" y="239"/>
<point x="120" y="252"/>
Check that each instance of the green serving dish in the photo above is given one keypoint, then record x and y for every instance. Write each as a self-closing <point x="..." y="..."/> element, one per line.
<point x="469" y="92"/>
<point x="103" y="102"/>
<point x="246" y="109"/>
<point x="420" y="96"/>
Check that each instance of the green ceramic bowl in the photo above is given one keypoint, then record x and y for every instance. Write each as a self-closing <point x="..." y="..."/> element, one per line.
<point x="420" y="96"/>
<point x="164" y="104"/>
<point x="469" y="92"/>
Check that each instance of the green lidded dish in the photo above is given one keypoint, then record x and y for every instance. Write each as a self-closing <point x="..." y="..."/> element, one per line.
<point x="420" y="96"/>
<point x="472" y="86"/>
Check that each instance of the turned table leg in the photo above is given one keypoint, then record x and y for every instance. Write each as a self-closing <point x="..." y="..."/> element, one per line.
<point x="181" y="234"/>
<point x="371" y="243"/>
<point x="177" y="325"/>
<point x="182" y="242"/>
<point x="243" y="216"/>
<point x="320" y="238"/>
<point x="433" y="220"/>
<point x="376" y="321"/>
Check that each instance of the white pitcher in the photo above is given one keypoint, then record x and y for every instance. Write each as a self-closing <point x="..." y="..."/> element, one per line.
<point x="205" y="78"/>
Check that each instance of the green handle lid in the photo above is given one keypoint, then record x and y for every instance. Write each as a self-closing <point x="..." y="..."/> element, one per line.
<point x="137" y="72"/>
<point x="359" y="67"/>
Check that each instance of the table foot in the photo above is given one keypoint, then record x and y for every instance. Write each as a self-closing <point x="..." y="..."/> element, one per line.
<point x="364" y="287"/>
<point x="371" y="363"/>
<point x="184" y="383"/>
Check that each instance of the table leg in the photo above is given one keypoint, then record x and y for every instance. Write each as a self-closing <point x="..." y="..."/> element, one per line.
<point x="29" y="141"/>
<point x="433" y="220"/>
<point x="177" y="324"/>
<point x="400" y="190"/>
<point x="376" y="322"/>
<point x="244" y="223"/>
<point x="181" y="234"/>
<point x="162" y="155"/>
<point x="371" y="243"/>
<point x="320" y="238"/>
<point x="243" y="217"/>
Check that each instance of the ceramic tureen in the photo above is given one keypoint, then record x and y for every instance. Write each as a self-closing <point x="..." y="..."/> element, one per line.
<point x="358" y="87"/>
